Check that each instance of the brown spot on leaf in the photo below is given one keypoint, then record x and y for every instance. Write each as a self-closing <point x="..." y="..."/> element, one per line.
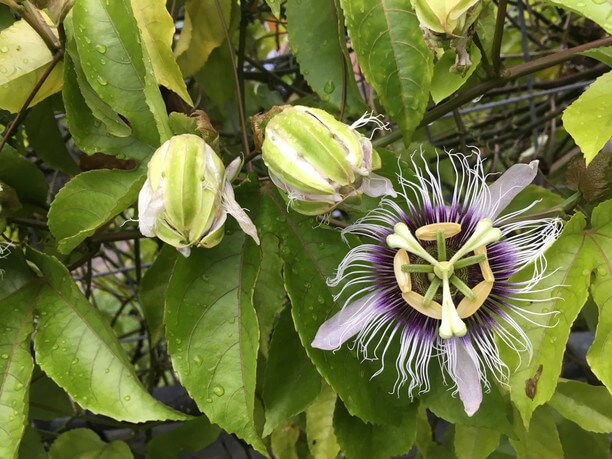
<point x="531" y="384"/>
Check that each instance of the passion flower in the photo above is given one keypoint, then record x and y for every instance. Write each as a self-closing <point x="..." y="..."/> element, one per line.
<point x="435" y="278"/>
<point x="187" y="195"/>
<point x="319" y="162"/>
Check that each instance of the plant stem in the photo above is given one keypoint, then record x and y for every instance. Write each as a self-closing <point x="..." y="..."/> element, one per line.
<point x="497" y="38"/>
<point x="517" y="71"/>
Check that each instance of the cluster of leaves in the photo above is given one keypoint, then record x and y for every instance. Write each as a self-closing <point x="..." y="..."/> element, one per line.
<point x="89" y="344"/>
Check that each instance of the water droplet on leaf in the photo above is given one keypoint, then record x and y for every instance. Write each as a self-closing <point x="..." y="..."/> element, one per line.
<point x="218" y="391"/>
<point x="101" y="48"/>
<point x="329" y="87"/>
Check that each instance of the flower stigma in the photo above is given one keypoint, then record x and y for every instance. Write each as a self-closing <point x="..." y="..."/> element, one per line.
<point x="444" y="271"/>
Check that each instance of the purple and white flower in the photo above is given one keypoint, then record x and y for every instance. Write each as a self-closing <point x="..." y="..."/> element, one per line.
<point x="434" y="278"/>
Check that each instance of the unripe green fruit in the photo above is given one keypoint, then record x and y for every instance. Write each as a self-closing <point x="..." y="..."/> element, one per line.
<point x="318" y="162"/>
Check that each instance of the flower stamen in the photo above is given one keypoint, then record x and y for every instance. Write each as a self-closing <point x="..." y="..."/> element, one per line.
<point x="430" y="232"/>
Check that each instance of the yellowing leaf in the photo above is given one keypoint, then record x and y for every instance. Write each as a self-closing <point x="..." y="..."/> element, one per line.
<point x="24" y="57"/>
<point x="202" y="32"/>
<point x="589" y="119"/>
<point x="157" y="30"/>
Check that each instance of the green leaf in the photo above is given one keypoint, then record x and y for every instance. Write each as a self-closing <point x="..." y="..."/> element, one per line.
<point x="99" y="109"/>
<point x="212" y="332"/>
<point x="90" y="200"/>
<point x="17" y="293"/>
<point x="588" y="406"/>
<point x="291" y="382"/>
<point x="424" y="438"/>
<point x="310" y="256"/>
<point x="360" y="440"/>
<point x="46" y="140"/>
<point x="541" y="200"/>
<point x="275" y="7"/>
<point x="23" y="63"/>
<point x="475" y="442"/>
<point x="31" y="445"/>
<point x="188" y="437"/>
<point x="603" y="54"/>
<point x="23" y="176"/>
<point x="90" y="133"/>
<point x="157" y="30"/>
<point x="152" y="291"/>
<point x="569" y="265"/>
<point x="589" y="120"/>
<point x="445" y="82"/>
<point x="284" y="440"/>
<point x="493" y="412"/>
<point x="597" y="11"/>
<point x="85" y="444"/>
<point x="77" y="348"/>
<point x="48" y="401"/>
<point x="578" y="443"/>
<point x="393" y="56"/>
<point x="326" y="66"/>
<point x="202" y="33"/>
<point x="541" y="441"/>
<point x="322" y="441"/>
<point x="212" y="77"/>
<point x="118" y="68"/>
<point x="600" y="236"/>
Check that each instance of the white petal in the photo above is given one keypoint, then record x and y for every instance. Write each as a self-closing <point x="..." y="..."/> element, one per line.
<point x="375" y="185"/>
<point x="233" y="168"/>
<point x="234" y="209"/>
<point x="467" y="377"/>
<point x="511" y="183"/>
<point x="346" y="323"/>
<point x="150" y="205"/>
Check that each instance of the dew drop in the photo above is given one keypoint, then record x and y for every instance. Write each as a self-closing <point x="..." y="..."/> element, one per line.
<point x="127" y="398"/>
<point x="18" y="386"/>
<point x="178" y="341"/>
<point x="218" y="391"/>
<point x="54" y="347"/>
<point x="197" y="360"/>
<point x="87" y="39"/>
<point x="101" y="80"/>
<point x="602" y="271"/>
<point x="209" y="400"/>
<point x="329" y="87"/>
<point x="4" y="356"/>
<point x="103" y="61"/>
<point x="107" y="371"/>
<point x="4" y="49"/>
<point x="320" y="299"/>
<point x="3" y="70"/>
<point x="101" y="49"/>
<point x="25" y="60"/>
<point x="75" y="361"/>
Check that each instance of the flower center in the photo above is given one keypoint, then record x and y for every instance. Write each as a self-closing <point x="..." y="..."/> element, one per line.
<point x="442" y="273"/>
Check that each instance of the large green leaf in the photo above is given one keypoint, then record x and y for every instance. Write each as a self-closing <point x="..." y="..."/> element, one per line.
<point x="86" y="444"/>
<point x="90" y="200"/>
<point x="31" y="445"/>
<point x="570" y="262"/>
<point x="578" y="443"/>
<point x="360" y="440"/>
<point x="90" y="133"/>
<point x="310" y="255"/>
<point x="475" y="442"/>
<point x="117" y="66"/>
<point x="588" y="406"/>
<point x="157" y="30"/>
<point x="326" y="66"/>
<point x="46" y="139"/>
<point x="596" y="10"/>
<point x="202" y="33"/>
<point x="25" y="58"/>
<point x="393" y="56"/>
<point x="77" y="348"/>
<point x="212" y="332"/>
<point x="17" y="293"/>
<point x="541" y="441"/>
<point x="291" y="382"/>
<point x="188" y="437"/>
<point x="589" y="119"/>
<point x="23" y="176"/>
<point x="322" y="441"/>
<point x="600" y="237"/>
<point x="152" y="292"/>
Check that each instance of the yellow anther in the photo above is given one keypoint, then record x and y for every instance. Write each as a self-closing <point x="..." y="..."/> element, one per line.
<point x="403" y="278"/>
<point x="434" y="310"/>
<point x="485" y="268"/>
<point x="468" y="307"/>
<point x="429" y="232"/>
